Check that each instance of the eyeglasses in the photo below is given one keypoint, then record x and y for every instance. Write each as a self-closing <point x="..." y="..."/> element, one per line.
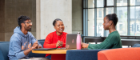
<point x="28" y="22"/>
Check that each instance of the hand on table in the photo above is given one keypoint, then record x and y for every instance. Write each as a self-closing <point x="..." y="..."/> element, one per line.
<point x="35" y="45"/>
<point x="39" y="46"/>
<point x="84" y="45"/>
<point x="59" y="43"/>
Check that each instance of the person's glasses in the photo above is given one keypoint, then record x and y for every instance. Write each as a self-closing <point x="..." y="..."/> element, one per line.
<point x="28" y="22"/>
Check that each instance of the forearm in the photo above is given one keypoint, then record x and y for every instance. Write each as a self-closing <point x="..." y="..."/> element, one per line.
<point x="92" y="46"/>
<point x="26" y="52"/>
<point x="99" y="46"/>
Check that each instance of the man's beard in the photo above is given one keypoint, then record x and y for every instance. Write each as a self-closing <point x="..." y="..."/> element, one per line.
<point x="27" y="28"/>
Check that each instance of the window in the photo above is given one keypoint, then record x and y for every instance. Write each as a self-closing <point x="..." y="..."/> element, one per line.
<point x="110" y="2"/>
<point x="90" y="3"/>
<point x="91" y="22"/>
<point x="120" y="27"/>
<point x="122" y="20"/>
<point x="94" y="12"/>
<point x="100" y="3"/>
<point x="134" y="2"/>
<point x="138" y="28"/>
<point x="138" y="12"/>
<point x="121" y="2"/>
<point x="119" y="13"/>
<point x="109" y="10"/>
<point x="100" y="13"/>
<point x="135" y="20"/>
<point x="100" y="30"/>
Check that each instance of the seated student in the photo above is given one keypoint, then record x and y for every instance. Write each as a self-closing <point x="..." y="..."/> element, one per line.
<point x="113" y="40"/>
<point x="56" y="39"/>
<point x="21" y="41"/>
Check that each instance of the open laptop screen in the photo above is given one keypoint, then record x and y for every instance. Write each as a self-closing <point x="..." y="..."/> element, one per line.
<point x="71" y="41"/>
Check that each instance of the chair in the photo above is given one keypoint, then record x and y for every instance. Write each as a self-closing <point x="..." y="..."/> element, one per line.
<point x="4" y="49"/>
<point x="82" y="54"/>
<point x="120" y="54"/>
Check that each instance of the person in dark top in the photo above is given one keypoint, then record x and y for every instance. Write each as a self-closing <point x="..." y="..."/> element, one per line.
<point x="113" y="40"/>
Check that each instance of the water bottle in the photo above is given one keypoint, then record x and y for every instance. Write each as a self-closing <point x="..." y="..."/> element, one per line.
<point x="78" y="41"/>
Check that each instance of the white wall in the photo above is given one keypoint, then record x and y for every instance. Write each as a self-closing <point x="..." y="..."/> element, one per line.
<point x="47" y="11"/>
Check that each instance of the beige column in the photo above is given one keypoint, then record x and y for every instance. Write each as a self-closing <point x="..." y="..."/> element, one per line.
<point x="38" y="29"/>
<point x="47" y="11"/>
<point x="77" y="16"/>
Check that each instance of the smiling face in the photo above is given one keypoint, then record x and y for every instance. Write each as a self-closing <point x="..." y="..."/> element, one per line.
<point x="59" y="26"/>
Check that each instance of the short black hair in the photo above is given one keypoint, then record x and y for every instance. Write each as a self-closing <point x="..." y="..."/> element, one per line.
<point x="113" y="17"/>
<point x="57" y="19"/>
<point x="22" y="19"/>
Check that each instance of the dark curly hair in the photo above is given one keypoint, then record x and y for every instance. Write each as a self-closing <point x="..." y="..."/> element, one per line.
<point x="113" y="17"/>
<point x="54" y="22"/>
<point x="22" y="19"/>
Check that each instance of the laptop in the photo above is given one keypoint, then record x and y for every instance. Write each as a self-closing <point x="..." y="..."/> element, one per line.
<point x="70" y="43"/>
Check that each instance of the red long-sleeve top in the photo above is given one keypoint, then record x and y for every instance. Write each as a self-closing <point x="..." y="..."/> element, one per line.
<point x="52" y="38"/>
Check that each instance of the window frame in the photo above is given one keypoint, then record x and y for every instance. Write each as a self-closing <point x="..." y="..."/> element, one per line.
<point x="85" y="15"/>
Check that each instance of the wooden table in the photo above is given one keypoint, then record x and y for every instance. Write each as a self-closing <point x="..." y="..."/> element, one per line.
<point x="56" y="54"/>
<point x="55" y="51"/>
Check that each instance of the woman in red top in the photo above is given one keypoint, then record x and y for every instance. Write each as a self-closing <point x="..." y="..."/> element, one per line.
<point x="56" y="39"/>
